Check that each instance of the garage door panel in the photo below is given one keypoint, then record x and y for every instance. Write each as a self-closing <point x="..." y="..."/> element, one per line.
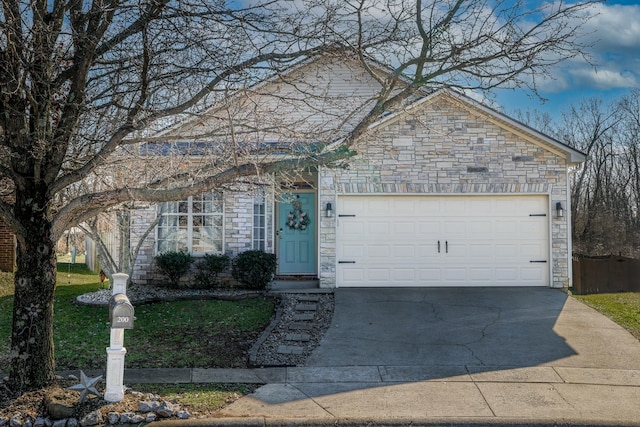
<point x="351" y="230"/>
<point x="404" y="227"/>
<point x="481" y="206"/>
<point x="428" y="207"/>
<point x="455" y="227"/>
<point x="403" y="207"/>
<point x="378" y="251"/>
<point x="509" y="274"/>
<point x="506" y="228"/>
<point x="533" y="205"/>
<point x="533" y="273"/>
<point x="404" y="252"/>
<point x="485" y="274"/>
<point x="352" y="205"/>
<point x="532" y="230"/>
<point x="454" y="274"/>
<point x="454" y="206"/>
<point x="480" y="229"/>
<point x="352" y="251"/>
<point x="379" y="275"/>
<point x="352" y="274"/>
<point x="423" y="251"/>
<point x="430" y="275"/>
<point x="483" y="241"/>
<point x="429" y="228"/>
<point x="379" y="207"/>
<point x="504" y="251"/>
<point x="481" y="251"/>
<point x="533" y="251"/>
<point x="404" y="275"/>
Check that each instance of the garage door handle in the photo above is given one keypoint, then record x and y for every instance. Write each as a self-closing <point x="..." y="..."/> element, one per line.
<point x="438" y="246"/>
<point x="446" y="246"/>
<point x="346" y="262"/>
<point x="538" y="260"/>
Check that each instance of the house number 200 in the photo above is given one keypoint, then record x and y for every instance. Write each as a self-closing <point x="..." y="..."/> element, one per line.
<point x="122" y="319"/>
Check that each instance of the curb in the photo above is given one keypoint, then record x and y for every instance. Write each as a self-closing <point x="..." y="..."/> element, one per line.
<point x="390" y="422"/>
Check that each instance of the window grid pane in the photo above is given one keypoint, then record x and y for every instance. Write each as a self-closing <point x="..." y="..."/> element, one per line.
<point x="193" y="225"/>
<point x="259" y="229"/>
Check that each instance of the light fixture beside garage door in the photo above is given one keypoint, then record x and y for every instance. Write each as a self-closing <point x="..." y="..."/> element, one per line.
<point x="559" y="210"/>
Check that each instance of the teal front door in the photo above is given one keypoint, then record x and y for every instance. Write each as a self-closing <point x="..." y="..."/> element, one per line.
<point x="297" y="234"/>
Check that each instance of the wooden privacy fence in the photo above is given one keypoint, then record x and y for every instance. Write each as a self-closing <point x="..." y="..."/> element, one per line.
<point x="599" y="275"/>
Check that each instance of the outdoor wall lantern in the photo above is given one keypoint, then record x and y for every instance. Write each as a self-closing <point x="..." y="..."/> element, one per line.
<point x="329" y="210"/>
<point x="559" y="210"/>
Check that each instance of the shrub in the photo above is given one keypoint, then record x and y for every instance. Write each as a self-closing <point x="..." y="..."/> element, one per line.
<point x="254" y="269"/>
<point x="174" y="265"/>
<point x="208" y="269"/>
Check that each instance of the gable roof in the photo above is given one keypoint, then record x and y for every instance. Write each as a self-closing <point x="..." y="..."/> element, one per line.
<point x="501" y="120"/>
<point x="334" y="87"/>
<point x="359" y="90"/>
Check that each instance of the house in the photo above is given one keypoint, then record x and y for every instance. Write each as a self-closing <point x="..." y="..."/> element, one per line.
<point x="443" y="192"/>
<point x="7" y="248"/>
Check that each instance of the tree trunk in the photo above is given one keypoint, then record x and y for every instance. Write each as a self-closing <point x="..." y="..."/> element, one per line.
<point x="32" y="357"/>
<point x="124" y="240"/>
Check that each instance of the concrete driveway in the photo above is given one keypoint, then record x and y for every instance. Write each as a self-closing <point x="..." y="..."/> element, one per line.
<point x="476" y="328"/>
<point x="464" y="357"/>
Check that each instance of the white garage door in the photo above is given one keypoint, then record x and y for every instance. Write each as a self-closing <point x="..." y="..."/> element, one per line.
<point x="442" y="241"/>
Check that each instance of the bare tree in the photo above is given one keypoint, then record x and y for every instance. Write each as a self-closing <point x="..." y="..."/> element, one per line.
<point x="605" y="190"/>
<point x="84" y="82"/>
<point x="117" y="254"/>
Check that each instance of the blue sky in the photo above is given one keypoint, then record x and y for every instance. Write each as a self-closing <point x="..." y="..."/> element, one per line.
<point x="615" y="34"/>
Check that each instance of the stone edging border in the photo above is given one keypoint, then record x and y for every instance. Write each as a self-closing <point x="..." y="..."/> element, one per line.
<point x="253" y="353"/>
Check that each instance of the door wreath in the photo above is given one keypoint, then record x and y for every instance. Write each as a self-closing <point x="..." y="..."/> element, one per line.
<point x="298" y="220"/>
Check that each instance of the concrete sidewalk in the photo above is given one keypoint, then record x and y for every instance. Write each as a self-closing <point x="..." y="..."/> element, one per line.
<point x="402" y="395"/>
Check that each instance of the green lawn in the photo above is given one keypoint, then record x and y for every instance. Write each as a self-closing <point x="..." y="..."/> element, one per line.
<point x="623" y="308"/>
<point x="201" y="333"/>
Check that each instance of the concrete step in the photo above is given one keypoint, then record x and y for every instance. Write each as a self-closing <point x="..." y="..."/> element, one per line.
<point x="298" y="337"/>
<point x="281" y="284"/>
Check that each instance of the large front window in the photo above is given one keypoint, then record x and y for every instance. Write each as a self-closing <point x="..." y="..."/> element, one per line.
<point x="194" y="225"/>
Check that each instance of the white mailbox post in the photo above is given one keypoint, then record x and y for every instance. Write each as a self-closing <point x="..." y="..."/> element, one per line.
<point x="121" y="318"/>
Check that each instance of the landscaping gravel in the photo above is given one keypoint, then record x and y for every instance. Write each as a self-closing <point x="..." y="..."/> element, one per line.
<point x="281" y="345"/>
<point x="149" y="294"/>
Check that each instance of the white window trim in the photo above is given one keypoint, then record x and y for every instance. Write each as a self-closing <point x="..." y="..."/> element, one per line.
<point x="189" y="214"/>
<point x="259" y="200"/>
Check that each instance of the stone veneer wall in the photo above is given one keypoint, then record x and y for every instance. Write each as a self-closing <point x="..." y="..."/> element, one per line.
<point x="445" y="149"/>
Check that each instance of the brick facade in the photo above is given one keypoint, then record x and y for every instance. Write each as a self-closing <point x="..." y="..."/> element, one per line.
<point x="7" y="248"/>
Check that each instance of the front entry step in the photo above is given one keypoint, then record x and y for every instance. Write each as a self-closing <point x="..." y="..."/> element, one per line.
<point x="284" y="283"/>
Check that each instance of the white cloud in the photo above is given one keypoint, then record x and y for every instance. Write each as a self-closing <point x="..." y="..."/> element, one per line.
<point x="604" y="79"/>
<point x="615" y="27"/>
<point x="613" y="34"/>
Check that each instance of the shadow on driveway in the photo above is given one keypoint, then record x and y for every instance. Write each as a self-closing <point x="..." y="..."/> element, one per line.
<point x="474" y="328"/>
